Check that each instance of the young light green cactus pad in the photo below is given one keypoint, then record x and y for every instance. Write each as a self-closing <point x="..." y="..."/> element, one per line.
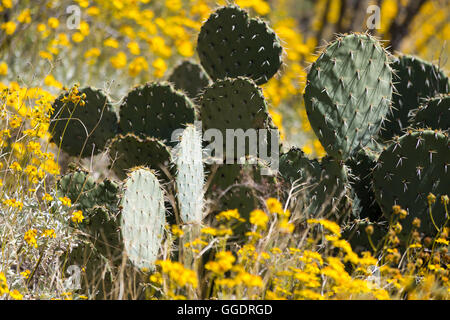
<point x="190" y="78"/>
<point x="188" y="155"/>
<point x="94" y="121"/>
<point x="130" y="151"/>
<point x="348" y="93"/>
<point x="416" y="81"/>
<point x="411" y="168"/>
<point x="230" y="44"/>
<point x="155" y="110"/>
<point x="433" y="114"/>
<point x="143" y="218"/>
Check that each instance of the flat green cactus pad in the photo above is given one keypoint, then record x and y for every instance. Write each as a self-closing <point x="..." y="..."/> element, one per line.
<point x="130" y="151"/>
<point x="348" y="94"/>
<point x="296" y="168"/>
<point x="230" y="44"/>
<point x="323" y="185"/>
<point x="364" y="203"/>
<point x="80" y="188"/>
<point x="411" y="168"/>
<point x="155" y="110"/>
<point x="95" y="121"/>
<point x="190" y="78"/>
<point x="433" y="114"/>
<point x="416" y="81"/>
<point x="236" y="104"/>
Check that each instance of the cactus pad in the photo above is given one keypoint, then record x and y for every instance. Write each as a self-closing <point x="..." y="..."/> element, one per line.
<point x="235" y="104"/>
<point x="296" y="168"/>
<point x="95" y="121"/>
<point x="325" y="183"/>
<point x="143" y="218"/>
<point x="80" y="188"/>
<point x="434" y="114"/>
<point x="364" y="203"/>
<point x="408" y="170"/>
<point x="130" y="151"/>
<point x="348" y="93"/>
<point x="230" y="44"/>
<point x="190" y="177"/>
<point x="155" y="110"/>
<point x="416" y="80"/>
<point x="190" y="78"/>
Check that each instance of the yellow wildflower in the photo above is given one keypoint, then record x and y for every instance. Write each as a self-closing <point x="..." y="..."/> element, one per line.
<point x="259" y="218"/>
<point x="77" y="216"/>
<point x="30" y="237"/>
<point x="65" y="201"/>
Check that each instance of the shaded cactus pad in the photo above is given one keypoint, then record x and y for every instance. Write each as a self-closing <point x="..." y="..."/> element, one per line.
<point x="230" y="44"/>
<point x="155" y="110"/>
<point x="190" y="78"/>
<point x="95" y="121"/>
<point x="434" y="114"/>
<point x="408" y="170"/>
<point x="416" y="81"/>
<point x="130" y="151"/>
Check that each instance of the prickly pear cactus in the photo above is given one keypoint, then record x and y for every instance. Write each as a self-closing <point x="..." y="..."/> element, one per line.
<point x="190" y="78"/>
<point x="325" y="183"/>
<point x="364" y="203"/>
<point x="90" y="126"/>
<point x="241" y="105"/>
<point x="225" y="176"/>
<point x="155" y="110"/>
<point x="416" y="80"/>
<point x="230" y="44"/>
<point x="348" y="93"/>
<point x="130" y="151"/>
<point x="433" y="114"/>
<point x="107" y="195"/>
<point x="143" y="217"/>
<point x="408" y="170"/>
<point x="296" y="168"/>
<point x="80" y="188"/>
<point x="190" y="178"/>
<point x="330" y="194"/>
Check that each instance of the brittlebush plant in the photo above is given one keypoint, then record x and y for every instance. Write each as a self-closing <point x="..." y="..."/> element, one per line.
<point x="279" y="262"/>
<point x="125" y="42"/>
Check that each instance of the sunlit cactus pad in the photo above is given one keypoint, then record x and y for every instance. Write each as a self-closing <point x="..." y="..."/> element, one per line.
<point x="188" y="155"/>
<point x="143" y="218"/>
<point x="348" y="93"/>
<point x="155" y="110"/>
<point x="408" y="170"/>
<point x="230" y="44"/>
<point x="95" y="121"/>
